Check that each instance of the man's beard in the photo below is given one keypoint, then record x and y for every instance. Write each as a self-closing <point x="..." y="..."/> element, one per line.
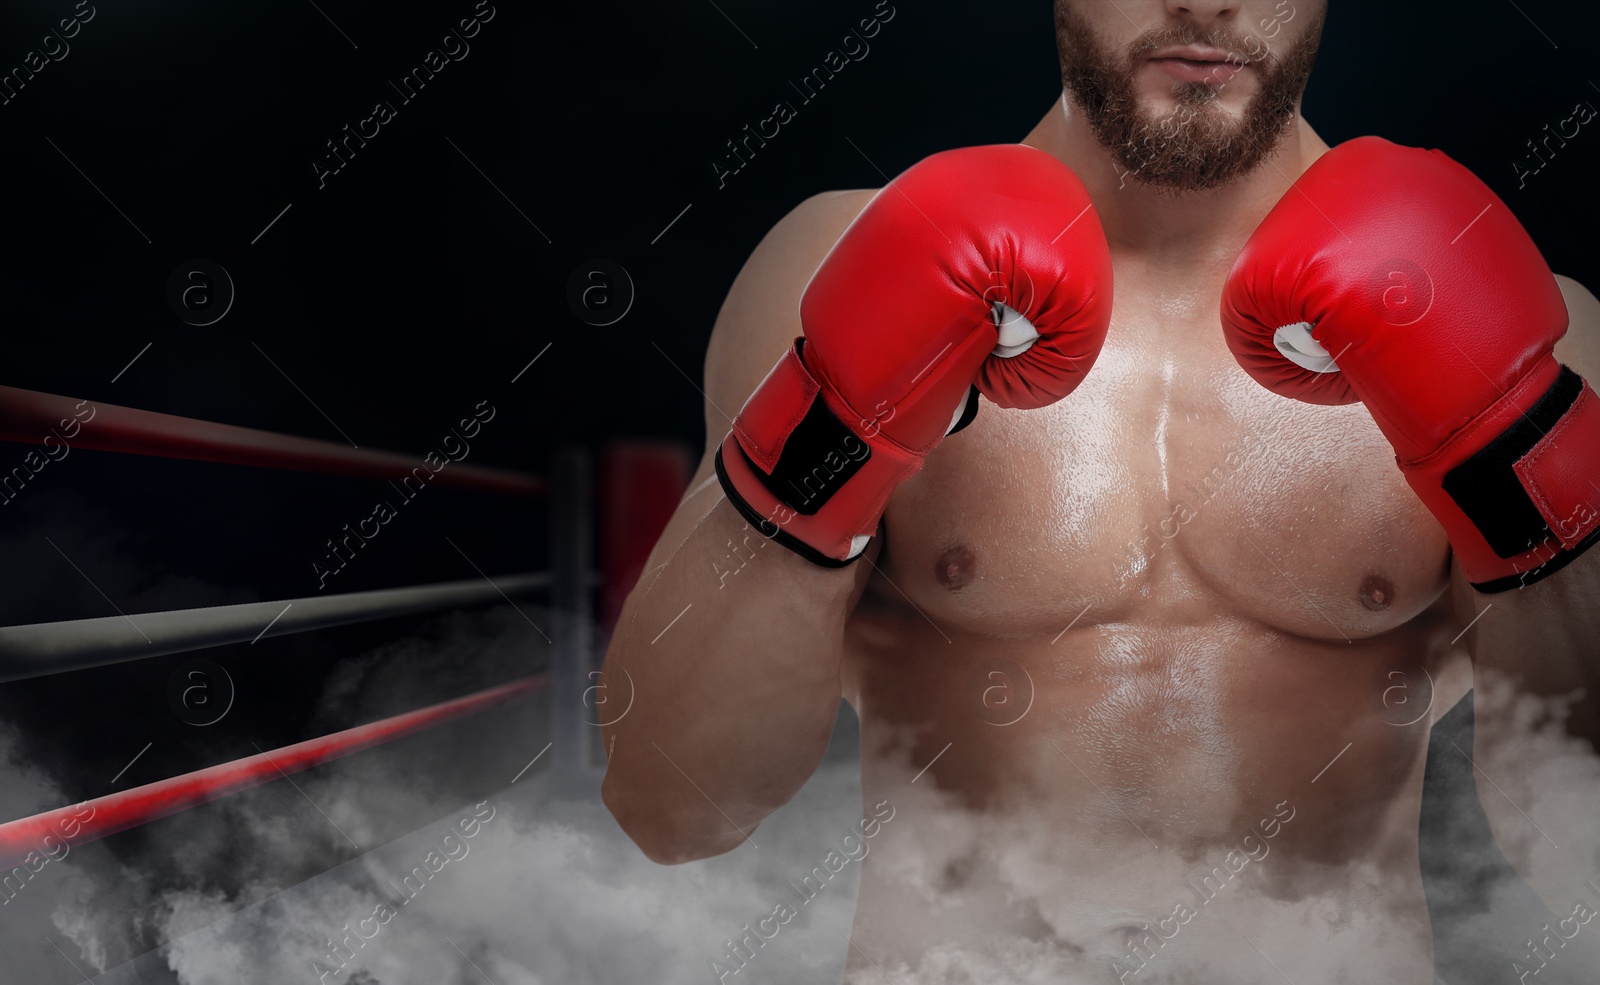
<point x="1197" y="146"/>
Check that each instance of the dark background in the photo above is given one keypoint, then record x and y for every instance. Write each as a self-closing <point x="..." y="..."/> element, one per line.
<point x="409" y="288"/>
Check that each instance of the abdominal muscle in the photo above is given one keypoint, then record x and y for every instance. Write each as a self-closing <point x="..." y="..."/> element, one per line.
<point x="1162" y="811"/>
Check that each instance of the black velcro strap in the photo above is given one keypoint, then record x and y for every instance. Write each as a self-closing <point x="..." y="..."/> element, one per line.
<point x="817" y="459"/>
<point x="766" y="526"/>
<point x="1491" y="494"/>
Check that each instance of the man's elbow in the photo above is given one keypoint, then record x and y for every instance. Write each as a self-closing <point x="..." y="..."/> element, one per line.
<point x="663" y="835"/>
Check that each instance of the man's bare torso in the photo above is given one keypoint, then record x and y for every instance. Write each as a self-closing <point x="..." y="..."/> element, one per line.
<point x="1252" y="592"/>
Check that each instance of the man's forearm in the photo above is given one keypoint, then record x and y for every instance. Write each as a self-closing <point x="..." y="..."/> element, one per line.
<point x="729" y="650"/>
<point x="1546" y="636"/>
<point x="1536" y="659"/>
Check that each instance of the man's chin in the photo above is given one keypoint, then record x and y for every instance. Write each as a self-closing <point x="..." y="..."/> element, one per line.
<point x="1189" y="162"/>
<point x="1163" y="98"/>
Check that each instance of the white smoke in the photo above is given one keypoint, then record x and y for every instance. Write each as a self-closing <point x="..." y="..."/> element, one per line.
<point x="1544" y="782"/>
<point x="552" y="892"/>
<point x="251" y="888"/>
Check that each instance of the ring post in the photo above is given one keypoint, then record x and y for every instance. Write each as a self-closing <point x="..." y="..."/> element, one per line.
<point x="571" y="559"/>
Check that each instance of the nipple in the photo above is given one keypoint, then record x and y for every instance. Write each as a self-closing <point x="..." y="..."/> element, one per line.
<point x="1376" y="592"/>
<point x="955" y="568"/>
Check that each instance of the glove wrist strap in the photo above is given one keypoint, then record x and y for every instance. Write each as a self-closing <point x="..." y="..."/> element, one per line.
<point x="801" y="475"/>
<point x="1526" y="502"/>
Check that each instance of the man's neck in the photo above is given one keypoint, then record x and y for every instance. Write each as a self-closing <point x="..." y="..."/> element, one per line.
<point x="1175" y="231"/>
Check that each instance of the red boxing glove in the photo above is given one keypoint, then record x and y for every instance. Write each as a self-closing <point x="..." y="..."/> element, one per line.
<point x="1393" y="276"/>
<point x="983" y="264"/>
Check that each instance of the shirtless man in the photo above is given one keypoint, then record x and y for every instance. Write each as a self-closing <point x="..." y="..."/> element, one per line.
<point x="1146" y="672"/>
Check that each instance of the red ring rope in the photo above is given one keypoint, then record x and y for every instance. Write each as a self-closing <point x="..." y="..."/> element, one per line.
<point x="103" y="816"/>
<point x="31" y="417"/>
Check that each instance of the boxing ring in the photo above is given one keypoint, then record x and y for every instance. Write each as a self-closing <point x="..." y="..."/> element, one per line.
<point x="639" y="487"/>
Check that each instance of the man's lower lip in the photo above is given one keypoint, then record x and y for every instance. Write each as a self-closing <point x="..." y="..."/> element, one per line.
<point x="1185" y="70"/>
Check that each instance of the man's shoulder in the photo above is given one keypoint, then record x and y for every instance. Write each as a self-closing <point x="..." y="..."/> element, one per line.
<point x="825" y="205"/>
<point x="797" y="242"/>
<point x="783" y="261"/>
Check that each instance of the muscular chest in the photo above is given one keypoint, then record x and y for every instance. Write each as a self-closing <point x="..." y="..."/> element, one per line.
<point x="1169" y="485"/>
